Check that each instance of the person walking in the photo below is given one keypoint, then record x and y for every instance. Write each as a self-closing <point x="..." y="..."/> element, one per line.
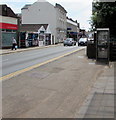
<point x="14" y="43"/>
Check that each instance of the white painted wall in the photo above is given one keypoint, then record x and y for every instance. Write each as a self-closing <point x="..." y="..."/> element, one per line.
<point x="10" y="20"/>
<point x="45" y="13"/>
<point x="72" y="25"/>
<point x="40" y="13"/>
<point x="71" y="22"/>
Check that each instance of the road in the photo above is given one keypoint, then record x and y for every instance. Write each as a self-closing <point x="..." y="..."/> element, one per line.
<point x="54" y="90"/>
<point x="17" y="61"/>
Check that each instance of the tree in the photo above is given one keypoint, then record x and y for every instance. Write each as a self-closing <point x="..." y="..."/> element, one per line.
<point x="104" y="16"/>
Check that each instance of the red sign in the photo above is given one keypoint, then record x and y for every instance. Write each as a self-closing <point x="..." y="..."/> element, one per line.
<point x="8" y="26"/>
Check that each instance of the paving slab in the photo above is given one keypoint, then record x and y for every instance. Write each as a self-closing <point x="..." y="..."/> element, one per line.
<point x="101" y="102"/>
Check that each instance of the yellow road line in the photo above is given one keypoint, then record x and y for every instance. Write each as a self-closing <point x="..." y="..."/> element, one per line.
<point x="35" y="66"/>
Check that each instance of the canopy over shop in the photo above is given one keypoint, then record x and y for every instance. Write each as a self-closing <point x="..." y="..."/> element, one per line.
<point x="35" y="33"/>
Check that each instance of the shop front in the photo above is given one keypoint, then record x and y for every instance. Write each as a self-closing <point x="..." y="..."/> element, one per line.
<point x="8" y="26"/>
<point x="8" y="31"/>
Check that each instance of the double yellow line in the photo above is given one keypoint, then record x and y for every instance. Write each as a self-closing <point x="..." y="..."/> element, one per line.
<point x="35" y="66"/>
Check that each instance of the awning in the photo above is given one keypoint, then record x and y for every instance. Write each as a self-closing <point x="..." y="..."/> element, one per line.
<point x="73" y="33"/>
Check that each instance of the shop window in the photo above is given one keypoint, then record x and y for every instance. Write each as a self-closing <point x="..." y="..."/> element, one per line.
<point x="41" y="31"/>
<point x="13" y="30"/>
<point x="3" y="30"/>
<point x="8" y="30"/>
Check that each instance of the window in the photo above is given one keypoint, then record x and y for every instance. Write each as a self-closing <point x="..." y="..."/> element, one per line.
<point x="41" y="31"/>
<point x="3" y="30"/>
<point x="8" y="30"/>
<point x="13" y="30"/>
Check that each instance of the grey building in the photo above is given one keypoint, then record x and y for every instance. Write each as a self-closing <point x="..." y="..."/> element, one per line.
<point x="42" y="12"/>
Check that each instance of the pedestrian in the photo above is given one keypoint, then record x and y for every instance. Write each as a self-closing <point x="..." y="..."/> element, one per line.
<point x="14" y="43"/>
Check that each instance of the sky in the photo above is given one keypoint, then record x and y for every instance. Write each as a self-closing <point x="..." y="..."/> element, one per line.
<point x="79" y="10"/>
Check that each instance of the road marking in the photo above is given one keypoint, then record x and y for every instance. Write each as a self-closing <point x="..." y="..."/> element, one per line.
<point x="35" y="66"/>
<point x="80" y="56"/>
<point x="92" y="63"/>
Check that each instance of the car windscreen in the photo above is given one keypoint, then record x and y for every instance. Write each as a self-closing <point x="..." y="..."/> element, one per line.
<point x="83" y="39"/>
<point x="68" y="39"/>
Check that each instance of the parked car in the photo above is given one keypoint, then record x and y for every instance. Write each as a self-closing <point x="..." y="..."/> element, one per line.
<point x="82" y="42"/>
<point x="69" y="42"/>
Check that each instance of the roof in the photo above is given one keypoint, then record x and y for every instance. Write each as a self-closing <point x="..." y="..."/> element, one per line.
<point x="60" y="7"/>
<point x="32" y="27"/>
<point x="57" y="6"/>
<point x="71" y="20"/>
<point x="26" y="6"/>
<point x="104" y="0"/>
<point x="7" y="11"/>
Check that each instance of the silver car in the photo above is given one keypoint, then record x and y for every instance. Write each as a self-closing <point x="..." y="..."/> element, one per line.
<point x="69" y="42"/>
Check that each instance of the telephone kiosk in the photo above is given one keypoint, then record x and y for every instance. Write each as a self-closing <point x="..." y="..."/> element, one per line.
<point x="102" y="44"/>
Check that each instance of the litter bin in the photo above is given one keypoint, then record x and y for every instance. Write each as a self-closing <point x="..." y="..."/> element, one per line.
<point x="91" y="50"/>
<point x="91" y="46"/>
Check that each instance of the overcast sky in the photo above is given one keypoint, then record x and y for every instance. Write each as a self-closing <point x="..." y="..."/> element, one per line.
<point x="79" y="10"/>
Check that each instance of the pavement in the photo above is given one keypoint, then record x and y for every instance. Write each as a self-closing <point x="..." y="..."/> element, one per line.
<point x="101" y="100"/>
<point x="97" y="92"/>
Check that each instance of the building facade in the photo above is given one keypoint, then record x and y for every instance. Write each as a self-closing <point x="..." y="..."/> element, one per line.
<point x="35" y="35"/>
<point x="61" y="22"/>
<point x="42" y="12"/>
<point x="8" y="26"/>
<point x="72" y="28"/>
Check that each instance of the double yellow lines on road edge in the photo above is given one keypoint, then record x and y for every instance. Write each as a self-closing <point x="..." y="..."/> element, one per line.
<point x="35" y="66"/>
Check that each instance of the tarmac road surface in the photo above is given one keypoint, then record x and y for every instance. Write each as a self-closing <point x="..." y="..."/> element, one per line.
<point x="54" y="90"/>
<point x="18" y="61"/>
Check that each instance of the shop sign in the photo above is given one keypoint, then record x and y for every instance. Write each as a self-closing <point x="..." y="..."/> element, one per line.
<point x="8" y="26"/>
